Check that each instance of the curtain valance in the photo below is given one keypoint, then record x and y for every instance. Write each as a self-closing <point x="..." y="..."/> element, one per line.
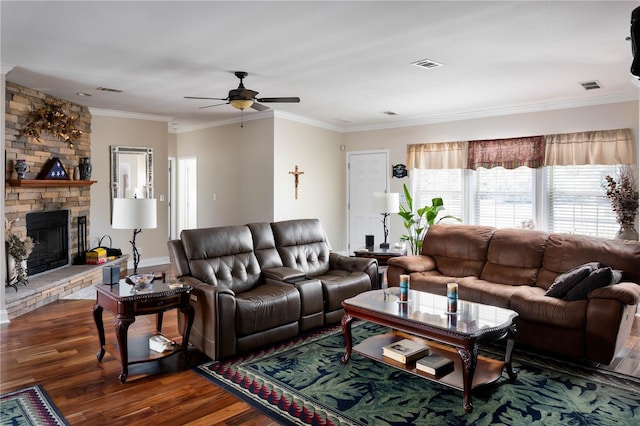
<point x="508" y="153"/>
<point x="445" y="155"/>
<point x="596" y="147"/>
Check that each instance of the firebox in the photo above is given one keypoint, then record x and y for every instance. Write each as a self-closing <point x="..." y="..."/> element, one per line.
<point x="50" y="233"/>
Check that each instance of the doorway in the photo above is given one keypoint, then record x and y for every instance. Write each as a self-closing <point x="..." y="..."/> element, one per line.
<point x="187" y="208"/>
<point x="367" y="172"/>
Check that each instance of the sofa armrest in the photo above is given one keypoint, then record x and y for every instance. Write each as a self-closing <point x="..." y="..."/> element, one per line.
<point x="283" y="273"/>
<point x="627" y="293"/>
<point x="355" y="264"/>
<point x="414" y="263"/>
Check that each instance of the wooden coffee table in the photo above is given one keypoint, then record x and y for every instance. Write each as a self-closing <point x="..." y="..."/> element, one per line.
<point x="424" y="318"/>
<point x="125" y="302"/>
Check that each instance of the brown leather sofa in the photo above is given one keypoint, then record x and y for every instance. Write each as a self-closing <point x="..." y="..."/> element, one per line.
<point x="263" y="283"/>
<point x="513" y="268"/>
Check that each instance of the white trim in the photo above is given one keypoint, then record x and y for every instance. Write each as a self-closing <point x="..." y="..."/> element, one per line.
<point x="253" y="116"/>
<point x="125" y="114"/>
<point x="512" y="110"/>
<point x="305" y="120"/>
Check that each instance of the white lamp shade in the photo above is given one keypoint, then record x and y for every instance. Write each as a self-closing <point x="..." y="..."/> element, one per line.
<point x="134" y="213"/>
<point x="386" y="202"/>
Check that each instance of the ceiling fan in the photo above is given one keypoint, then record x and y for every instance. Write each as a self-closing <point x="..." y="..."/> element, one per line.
<point x="243" y="98"/>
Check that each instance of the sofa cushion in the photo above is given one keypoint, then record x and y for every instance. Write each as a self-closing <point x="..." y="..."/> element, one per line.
<point x="222" y="256"/>
<point x="338" y="285"/>
<point x="265" y="307"/>
<point x="565" y="282"/>
<point x="302" y="245"/>
<point x="514" y="256"/>
<point x="566" y="251"/>
<point x="598" y="278"/>
<point x="459" y="250"/>
<point x="532" y="305"/>
<point x="264" y="245"/>
<point x="485" y="292"/>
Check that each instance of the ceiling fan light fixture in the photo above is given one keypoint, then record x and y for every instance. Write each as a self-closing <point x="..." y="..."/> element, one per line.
<point x="241" y="104"/>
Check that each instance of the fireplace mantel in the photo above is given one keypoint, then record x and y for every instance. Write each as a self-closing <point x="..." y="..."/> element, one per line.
<point x="36" y="183"/>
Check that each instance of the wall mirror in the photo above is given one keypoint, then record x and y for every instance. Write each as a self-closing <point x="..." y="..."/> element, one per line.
<point x="131" y="172"/>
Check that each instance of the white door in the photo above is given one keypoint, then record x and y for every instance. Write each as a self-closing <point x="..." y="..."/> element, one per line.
<point x="367" y="172"/>
<point x="187" y="194"/>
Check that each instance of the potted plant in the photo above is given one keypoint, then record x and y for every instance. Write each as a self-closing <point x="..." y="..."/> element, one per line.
<point x="413" y="222"/>
<point x="18" y="250"/>
<point x="623" y="194"/>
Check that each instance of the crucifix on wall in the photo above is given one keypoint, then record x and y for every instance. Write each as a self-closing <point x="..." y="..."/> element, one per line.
<point x="296" y="174"/>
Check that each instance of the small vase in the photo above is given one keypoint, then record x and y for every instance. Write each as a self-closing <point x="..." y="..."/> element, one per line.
<point x="21" y="168"/>
<point x="85" y="168"/>
<point x="627" y="232"/>
<point x="76" y="173"/>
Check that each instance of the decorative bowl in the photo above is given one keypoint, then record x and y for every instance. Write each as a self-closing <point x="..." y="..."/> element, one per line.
<point x="140" y="280"/>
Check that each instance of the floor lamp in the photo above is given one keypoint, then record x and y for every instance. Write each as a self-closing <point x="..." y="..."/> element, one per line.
<point x="136" y="214"/>
<point x="386" y="203"/>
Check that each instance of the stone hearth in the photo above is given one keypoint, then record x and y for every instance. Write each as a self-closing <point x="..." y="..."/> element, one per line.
<point x="56" y="284"/>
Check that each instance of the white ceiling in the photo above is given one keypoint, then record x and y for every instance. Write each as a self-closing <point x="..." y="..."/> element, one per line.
<point x="349" y="62"/>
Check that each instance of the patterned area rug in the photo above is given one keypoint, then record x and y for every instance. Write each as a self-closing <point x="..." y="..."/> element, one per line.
<point x="303" y="382"/>
<point x="29" y="407"/>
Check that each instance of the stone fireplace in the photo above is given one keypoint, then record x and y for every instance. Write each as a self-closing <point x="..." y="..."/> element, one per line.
<point x="52" y="197"/>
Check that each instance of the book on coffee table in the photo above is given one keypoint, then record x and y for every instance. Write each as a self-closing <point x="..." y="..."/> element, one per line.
<point x="405" y="350"/>
<point x="434" y="364"/>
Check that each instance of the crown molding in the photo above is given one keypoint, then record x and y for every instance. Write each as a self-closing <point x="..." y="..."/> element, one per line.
<point x="511" y="110"/>
<point x="258" y="115"/>
<point x="126" y="114"/>
<point x="309" y="121"/>
<point x="6" y="69"/>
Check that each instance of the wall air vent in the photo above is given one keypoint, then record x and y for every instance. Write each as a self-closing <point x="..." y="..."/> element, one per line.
<point x="590" y="85"/>
<point x="426" y="63"/>
<point x="106" y="89"/>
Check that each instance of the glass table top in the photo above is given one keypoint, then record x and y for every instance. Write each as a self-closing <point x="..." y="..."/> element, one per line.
<point x="123" y="289"/>
<point x="431" y="309"/>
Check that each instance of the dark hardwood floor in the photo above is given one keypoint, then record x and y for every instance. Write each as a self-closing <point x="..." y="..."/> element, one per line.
<point x="56" y="346"/>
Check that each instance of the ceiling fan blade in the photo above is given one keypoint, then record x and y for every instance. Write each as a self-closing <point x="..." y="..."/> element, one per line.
<point x="285" y="99"/>
<point x="209" y="106"/>
<point x="213" y="99"/>
<point x="259" y="107"/>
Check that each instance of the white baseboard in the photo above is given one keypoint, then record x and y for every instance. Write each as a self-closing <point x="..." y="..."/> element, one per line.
<point x="4" y="317"/>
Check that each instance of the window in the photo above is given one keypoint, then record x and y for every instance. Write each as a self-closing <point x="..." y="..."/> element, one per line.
<point x="504" y="198"/>
<point x="444" y="183"/>
<point x="576" y="200"/>
<point x="560" y="198"/>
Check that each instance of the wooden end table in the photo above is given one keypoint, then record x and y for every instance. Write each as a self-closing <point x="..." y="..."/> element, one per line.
<point x="126" y="302"/>
<point x="381" y="255"/>
<point x="424" y="319"/>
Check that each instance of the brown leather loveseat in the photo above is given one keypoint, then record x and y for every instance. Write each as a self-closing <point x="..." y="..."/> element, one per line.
<point x="263" y="283"/>
<point x="514" y="268"/>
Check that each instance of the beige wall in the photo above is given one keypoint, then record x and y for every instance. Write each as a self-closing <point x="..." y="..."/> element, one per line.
<point x="321" y="189"/>
<point x="601" y="117"/>
<point x="107" y="131"/>
<point x="235" y="172"/>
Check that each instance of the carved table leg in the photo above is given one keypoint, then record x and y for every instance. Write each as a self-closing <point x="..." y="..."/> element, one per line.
<point x="511" y="341"/>
<point x="121" y="326"/>
<point x="346" y="331"/>
<point x="97" y="317"/>
<point x="190" y="314"/>
<point x="469" y="359"/>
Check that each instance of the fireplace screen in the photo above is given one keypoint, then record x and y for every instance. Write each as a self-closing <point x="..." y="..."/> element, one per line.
<point x="50" y="234"/>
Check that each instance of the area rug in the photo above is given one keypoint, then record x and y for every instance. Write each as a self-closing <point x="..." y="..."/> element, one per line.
<point x="303" y="382"/>
<point x="29" y="407"/>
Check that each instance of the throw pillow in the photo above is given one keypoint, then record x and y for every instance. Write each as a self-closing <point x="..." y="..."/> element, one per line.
<point x="599" y="278"/>
<point x="565" y="282"/>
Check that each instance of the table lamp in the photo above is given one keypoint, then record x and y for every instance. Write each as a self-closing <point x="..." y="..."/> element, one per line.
<point x="136" y="214"/>
<point x="386" y="203"/>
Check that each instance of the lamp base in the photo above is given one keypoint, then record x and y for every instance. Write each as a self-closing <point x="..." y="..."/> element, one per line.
<point x="384" y="245"/>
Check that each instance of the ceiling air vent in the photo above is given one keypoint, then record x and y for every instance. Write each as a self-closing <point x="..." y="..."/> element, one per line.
<point x="426" y="63"/>
<point x="590" y="85"/>
<point x="390" y="113"/>
<point x="106" y="89"/>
